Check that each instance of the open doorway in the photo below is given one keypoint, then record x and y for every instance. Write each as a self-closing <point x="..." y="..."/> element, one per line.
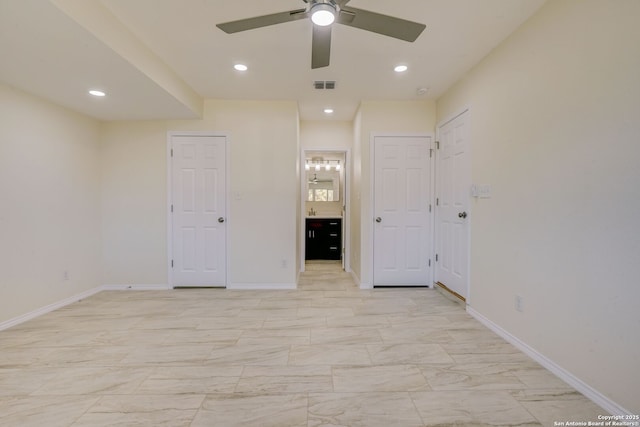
<point x="324" y="222"/>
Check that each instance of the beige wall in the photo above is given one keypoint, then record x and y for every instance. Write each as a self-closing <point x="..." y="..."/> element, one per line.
<point x="326" y="135"/>
<point x="264" y="186"/>
<point x="555" y="127"/>
<point x="355" y="196"/>
<point x="50" y="198"/>
<point x="400" y="117"/>
<point x="133" y="157"/>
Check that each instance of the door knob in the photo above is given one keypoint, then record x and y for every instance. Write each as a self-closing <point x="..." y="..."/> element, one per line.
<point x="221" y="220"/>
<point x="378" y="219"/>
<point x="462" y="215"/>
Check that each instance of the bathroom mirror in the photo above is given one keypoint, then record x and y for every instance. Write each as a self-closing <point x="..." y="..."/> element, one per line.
<point x="323" y="186"/>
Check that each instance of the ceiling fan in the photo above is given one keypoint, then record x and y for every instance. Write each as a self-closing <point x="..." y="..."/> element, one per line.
<point x="323" y="13"/>
<point x="317" y="180"/>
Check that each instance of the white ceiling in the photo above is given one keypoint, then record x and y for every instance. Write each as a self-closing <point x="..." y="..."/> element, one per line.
<point x="46" y="52"/>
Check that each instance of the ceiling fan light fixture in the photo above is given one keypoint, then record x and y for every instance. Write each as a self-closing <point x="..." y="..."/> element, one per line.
<point x="323" y="14"/>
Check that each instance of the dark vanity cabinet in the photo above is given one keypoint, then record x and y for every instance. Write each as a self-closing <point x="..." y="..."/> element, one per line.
<point x="324" y="238"/>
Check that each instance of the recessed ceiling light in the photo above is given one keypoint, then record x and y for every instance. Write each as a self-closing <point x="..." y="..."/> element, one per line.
<point x="240" y="67"/>
<point x="400" y="68"/>
<point x="328" y="110"/>
<point x="97" y="92"/>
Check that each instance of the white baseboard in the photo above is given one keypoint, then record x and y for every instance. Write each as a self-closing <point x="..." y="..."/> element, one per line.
<point x="596" y="397"/>
<point x="48" y="308"/>
<point x="355" y="278"/>
<point x="261" y="286"/>
<point x="163" y="287"/>
<point x="358" y="282"/>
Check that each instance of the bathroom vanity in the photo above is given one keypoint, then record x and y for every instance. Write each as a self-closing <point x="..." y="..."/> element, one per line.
<point x="323" y="238"/>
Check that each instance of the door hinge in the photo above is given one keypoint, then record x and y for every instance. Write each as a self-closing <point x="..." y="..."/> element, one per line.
<point x="436" y="257"/>
<point x="429" y="262"/>
<point x="172" y="152"/>
<point x="171" y="208"/>
<point x="430" y="152"/>
<point x="171" y="263"/>
<point x="437" y="145"/>
<point x="429" y="208"/>
<point x="437" y="201"/>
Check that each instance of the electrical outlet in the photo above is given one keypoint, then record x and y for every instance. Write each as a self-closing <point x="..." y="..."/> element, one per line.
<point x="519" y="303"/>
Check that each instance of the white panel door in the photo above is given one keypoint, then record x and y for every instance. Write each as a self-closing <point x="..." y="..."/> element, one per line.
<point x="199" y="210"/>
<point x="402" y="227"/>
<point x="453" y="182"/>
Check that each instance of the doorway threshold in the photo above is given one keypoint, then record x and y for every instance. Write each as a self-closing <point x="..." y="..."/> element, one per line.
<point x="446" y="291"/>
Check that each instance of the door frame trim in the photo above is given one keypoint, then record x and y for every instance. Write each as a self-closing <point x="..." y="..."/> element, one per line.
<point x="227" y="172"/>
<point x="465" y="109"/>
<point x="346" y="217"/>
<point x="371" y="255"/>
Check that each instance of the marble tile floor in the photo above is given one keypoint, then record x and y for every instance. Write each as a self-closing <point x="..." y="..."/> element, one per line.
<point x="326" y="354"/>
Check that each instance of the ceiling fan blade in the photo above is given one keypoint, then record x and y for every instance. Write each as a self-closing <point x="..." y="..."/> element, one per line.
<point x="262" y="21"/>
<point x="381" y="24"/>
<point x="341" y="3"/>
<point x="321" y="46"/>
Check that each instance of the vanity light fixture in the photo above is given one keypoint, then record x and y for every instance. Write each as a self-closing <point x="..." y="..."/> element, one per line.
<point x="319" y="163"/>
<point x="97" y="93"/>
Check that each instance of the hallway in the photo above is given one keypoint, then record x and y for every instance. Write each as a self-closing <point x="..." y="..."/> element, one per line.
<point x="325" y="354"/>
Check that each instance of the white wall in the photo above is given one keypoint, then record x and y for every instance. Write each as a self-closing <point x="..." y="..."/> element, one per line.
<point x="50" y="203"/>
<point x="264" y="186"/>
<point x="555" y="130"/>
<point x="383" y="117"/>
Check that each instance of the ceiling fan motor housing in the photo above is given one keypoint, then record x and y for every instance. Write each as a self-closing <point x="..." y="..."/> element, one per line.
<point x="323" y="12"/>
<point x="328" y="2"/>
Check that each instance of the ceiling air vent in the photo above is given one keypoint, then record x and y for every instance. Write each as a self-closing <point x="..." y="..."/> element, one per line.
<point x="320" y="84"/>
